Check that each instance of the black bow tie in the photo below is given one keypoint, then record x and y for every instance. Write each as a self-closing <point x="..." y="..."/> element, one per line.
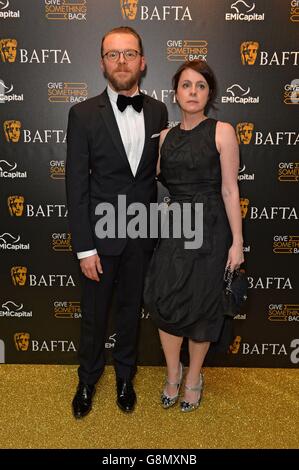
<point x="124" y="101"/>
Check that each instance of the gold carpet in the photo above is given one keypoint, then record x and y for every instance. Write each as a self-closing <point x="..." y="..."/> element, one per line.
<point x="241" y="408"/>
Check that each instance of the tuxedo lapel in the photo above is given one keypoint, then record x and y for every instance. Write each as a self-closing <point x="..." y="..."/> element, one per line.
<point x="111" y="125"/>
<point x="147" y="113"/>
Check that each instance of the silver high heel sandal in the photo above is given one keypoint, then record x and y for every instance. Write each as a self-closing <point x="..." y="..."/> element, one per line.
<point x="188" y="406"/>
<point x="166" y="400"/>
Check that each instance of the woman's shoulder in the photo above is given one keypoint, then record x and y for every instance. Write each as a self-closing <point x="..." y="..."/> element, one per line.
<point x="224" y="126"/>
<point x="163" y="134"/>
<point x="225" y="134"/>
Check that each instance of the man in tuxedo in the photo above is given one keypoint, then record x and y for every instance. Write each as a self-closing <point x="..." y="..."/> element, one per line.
<point x="112" y="150"/>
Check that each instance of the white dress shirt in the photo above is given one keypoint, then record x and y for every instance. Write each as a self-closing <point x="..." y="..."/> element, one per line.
<point x="131" y="127"/>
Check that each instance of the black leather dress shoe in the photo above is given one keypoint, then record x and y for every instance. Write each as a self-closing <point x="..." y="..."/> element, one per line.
<point x="126" y="396"/>
<point x="82" y="402"/>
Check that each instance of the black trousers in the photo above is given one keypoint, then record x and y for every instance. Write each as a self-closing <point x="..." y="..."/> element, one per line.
<point x="124" y="275"/>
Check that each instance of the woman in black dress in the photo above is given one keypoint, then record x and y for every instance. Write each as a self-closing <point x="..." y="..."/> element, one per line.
<point x="199" y="161"/>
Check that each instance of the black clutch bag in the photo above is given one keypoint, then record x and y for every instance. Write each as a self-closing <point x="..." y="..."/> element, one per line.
<point x="234" y="292"/>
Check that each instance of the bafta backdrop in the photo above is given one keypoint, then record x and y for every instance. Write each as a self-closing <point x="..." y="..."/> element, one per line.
<point x="49" y="60"/>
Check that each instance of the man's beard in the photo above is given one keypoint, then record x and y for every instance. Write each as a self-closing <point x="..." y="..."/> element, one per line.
<point x="122" y="84"/>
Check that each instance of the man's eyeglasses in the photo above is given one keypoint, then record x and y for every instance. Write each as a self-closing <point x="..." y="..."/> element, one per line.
<point x="129" y="55"/>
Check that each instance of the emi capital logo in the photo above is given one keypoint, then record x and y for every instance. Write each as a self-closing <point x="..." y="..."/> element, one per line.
<point x="111" y="341"/>
<point x="249" y="55"/>
<point x="9" y="170"/>
<point x="23" y="343"/>
<point x="244" y="11"/>
<point x="6" y="95"/>
<point x="132" y="10"/>
<point x="239" y="95"/>
<point x="243" y="176"/>
<point x="10" y="309"/>
<point x="10" y="242"/>
<point x="6" y="12"/>
<point x="9" y="53"/>
<point x="66" y="10"/>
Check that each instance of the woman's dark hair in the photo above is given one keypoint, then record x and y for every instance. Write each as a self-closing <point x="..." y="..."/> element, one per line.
<point x="201" y="67"/>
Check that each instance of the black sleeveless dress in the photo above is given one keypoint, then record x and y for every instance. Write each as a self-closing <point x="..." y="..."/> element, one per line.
<point x="183" y="286"/>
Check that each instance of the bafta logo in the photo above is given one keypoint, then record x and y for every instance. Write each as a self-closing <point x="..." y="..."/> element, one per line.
<point x="244" y="132"/>
<point x="12" y="130"/>
<point x="15" y="205"/>
<point x="18" y="275"/>
<point x="129" y="9"/>
<point x="235" y="346"/>
<point x="21" y="341"/>
<point x="248" y="52"/>
<point x="8" y="50"/>
<point x="244" y="202"/>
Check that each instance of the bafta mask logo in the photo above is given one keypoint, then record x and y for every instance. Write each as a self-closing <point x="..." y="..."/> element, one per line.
<point x="21" y="341"/>
<point x="244" y="202"/>
<point x="15" y="205"/>
<point x="18" y="275"/>
<point x="12" y="130"/>
<point x="244" y="132"/>
<point x="235" y="346"/>
<point x="129" y="9"/>
<point x="248" y="52"/>
<point x="8" y="50"/>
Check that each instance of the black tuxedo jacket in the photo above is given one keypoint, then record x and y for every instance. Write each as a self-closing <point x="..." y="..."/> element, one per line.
<point x="97" y="168"/>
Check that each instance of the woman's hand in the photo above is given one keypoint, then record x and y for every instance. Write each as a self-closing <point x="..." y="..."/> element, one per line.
<point x="235" y="256"/>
